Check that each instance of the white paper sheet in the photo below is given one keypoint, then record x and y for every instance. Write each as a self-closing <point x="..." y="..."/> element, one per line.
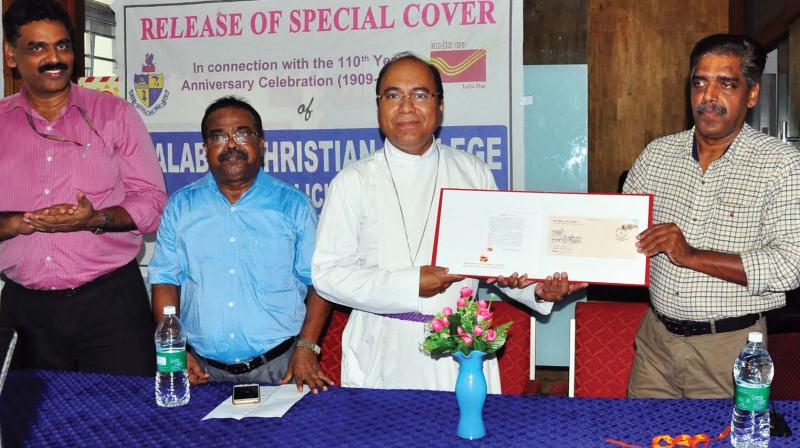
<point x="275" y="401"/>
<point x="592" y="237"/>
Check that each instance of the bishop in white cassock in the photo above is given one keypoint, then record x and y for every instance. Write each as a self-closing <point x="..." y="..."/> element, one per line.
<point x="375" y="240"/>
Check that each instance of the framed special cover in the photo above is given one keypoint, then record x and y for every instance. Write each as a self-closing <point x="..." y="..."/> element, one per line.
<point x="592" y="237"/>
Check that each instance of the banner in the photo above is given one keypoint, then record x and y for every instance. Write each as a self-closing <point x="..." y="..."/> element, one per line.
<point x="310" y="69"/>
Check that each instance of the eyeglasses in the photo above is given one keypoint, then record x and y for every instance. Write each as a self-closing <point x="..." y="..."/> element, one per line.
<point x="417" y="97"/>
<point x="240" y="137"/>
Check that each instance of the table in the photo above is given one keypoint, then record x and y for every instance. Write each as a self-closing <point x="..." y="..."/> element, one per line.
<point x="44" y="408"/>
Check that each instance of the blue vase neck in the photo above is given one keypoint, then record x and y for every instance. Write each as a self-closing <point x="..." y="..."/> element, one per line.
<point x="472" y="362"/>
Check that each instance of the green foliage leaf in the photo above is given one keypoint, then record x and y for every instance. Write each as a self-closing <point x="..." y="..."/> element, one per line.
<point x="502" y="335"/>
<point x="455" y="321"/>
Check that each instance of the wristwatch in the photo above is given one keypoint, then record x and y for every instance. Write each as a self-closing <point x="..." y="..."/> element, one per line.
<point x="103" y="225"/>
<point x="309" y="345"/>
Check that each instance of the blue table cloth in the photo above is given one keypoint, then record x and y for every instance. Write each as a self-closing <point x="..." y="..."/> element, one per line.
<point x="42" y="408"/>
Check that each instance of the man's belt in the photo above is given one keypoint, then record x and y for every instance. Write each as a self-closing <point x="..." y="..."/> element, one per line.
<point x="694" y="328"/>
<point x="240" y="368"/>
<point x="133" y="264"/>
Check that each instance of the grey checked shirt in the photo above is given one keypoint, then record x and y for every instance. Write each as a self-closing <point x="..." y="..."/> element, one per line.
<point x="747" y="203"/>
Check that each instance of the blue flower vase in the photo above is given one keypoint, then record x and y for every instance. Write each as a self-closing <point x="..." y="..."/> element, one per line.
<point x="470" y="394"/>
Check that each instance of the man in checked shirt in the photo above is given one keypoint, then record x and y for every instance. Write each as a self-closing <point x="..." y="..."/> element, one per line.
<point x="725" y="244"/>
<point x="80" y="185"/>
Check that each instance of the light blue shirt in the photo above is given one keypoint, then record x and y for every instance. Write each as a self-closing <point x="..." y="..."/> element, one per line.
<point x="243" y="269"/>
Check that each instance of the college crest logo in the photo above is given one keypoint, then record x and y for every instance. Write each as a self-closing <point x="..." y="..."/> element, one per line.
<point x="148" y="93"/>
<point x="460" y="65"/>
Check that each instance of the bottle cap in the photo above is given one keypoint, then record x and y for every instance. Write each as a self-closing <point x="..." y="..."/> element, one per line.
<point x="755" y="336"/>
<point x="170" y="309"/>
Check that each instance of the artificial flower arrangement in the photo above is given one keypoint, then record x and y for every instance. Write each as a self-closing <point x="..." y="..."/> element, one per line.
<point x="469" y="328"/>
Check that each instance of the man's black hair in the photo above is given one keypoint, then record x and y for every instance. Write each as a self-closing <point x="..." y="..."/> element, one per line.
<point x="237" y="103"/>
<point x="750" y="53"/>
<point x="22" y="12"/>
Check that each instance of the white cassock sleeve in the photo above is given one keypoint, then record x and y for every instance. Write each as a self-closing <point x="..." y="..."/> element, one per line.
<point x="527" y="297"/>
<point x="338" y="273"/>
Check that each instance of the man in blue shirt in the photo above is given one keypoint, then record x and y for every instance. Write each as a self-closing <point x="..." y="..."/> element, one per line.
<point x="235" y="247"/>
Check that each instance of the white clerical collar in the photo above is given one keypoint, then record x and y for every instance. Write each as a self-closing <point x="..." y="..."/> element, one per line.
<point x="406" y="157"/>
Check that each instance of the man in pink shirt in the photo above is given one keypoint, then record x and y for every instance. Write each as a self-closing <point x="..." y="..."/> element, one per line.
<point x="81" y="183"/>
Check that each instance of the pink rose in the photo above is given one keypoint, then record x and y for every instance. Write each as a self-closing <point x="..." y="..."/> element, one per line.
<point x="482" y="304"/>
<point x="461" y="303"/>
<point x="485" y="314"/>
<point x="447" y="311"/>
<point x="467" y="338"/>
<point x="437" y="325"/>
<point x="445" y="321"/>
<point x="460" y="330"/>
<point x="477" y="330"/>
<point x="465" y="292"/>
<point x="491" y="335"/>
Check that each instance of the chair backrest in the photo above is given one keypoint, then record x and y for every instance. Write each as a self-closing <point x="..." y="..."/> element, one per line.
<point x="8" y="340"/>
<point x="784" y="348"/>
<point x="603" y="347"/>
<point x="515" y="358"/>
<point x="330" y="360"/>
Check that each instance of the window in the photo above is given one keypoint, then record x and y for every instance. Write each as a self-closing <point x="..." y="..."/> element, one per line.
<point x="99" y="39"/>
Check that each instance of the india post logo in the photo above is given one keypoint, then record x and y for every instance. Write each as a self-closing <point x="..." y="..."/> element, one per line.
<point x="148" y="88"/>
<point x="460" y="65"/>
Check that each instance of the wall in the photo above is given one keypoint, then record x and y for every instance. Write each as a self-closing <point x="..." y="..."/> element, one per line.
<point x="638" y="61"/>
<point x="793" y="58"/>
<point x="555" y="32"/>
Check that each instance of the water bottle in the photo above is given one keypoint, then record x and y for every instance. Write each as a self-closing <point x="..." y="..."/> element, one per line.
<point x="172" y="378"/>
<point x="752" y="373"/>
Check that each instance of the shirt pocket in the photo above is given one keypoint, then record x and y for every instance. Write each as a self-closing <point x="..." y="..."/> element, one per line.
<point x="99" y="172"/>
<point x="737" y="224"/>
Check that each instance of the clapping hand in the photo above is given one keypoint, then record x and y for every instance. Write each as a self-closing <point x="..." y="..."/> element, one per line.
<point x="62" y="217"/>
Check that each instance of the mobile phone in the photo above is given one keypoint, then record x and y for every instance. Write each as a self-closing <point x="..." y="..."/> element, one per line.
<point x="246" y="393"/>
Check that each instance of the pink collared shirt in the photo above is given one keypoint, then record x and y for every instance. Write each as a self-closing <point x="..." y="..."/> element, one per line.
<point x="119" y="168"/>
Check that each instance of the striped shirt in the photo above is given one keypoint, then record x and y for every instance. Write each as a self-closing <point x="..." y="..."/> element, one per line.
<point x="119" y="168"/>
<point x="746" y="203"/>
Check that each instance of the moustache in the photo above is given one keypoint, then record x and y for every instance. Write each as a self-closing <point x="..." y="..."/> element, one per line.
<point x="234" y="153"/>
<point x="53" y="66"/>
<point x="714" y="107"/>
